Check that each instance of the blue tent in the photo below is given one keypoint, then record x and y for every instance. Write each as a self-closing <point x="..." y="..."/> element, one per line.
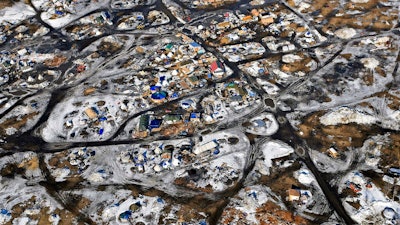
<point x="194" y="115"/>
<point x="155" y="88"/>
<point x="260" y="123"/>
<point x="174" y="95"/>
<point x="159" y="95"/>
<point x="125" y="215"/>
<point x="195" y="44"/>
<point x="156" y="123"/>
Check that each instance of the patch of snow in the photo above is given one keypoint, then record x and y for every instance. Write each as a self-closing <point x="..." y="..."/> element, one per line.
<point x="11" y="131"/>
<point x="345" y="115"/>
<point x="54" y="219"/>
<point x="16" y="13"/>
<point x="291" y="58"/>
<point x="373" y="202"/>
<point x="370" y="63"/>
<point x="345" y="33"/>
<point x="80" y="8"/>
<point x="61" y="173"/>
<point x="263" y="124"/>
<point x="97" y="177"/>
<point x="273" y="150"/>
<point x="22" y="221"/>
<point x="327" y="164"/>
<point x="304" y="176"/>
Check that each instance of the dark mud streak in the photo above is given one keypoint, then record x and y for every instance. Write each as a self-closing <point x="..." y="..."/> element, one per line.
<point x="53" y="189"/>
<point x="162" y="7"/>
<point x="55" y="98"/>
<point x="329" y="192"/>
<point x="18" y="102"/>
<point x="4" y="154"/>
<point x="303" y="81"/>
<point x="231" y="192"/>
<point x="287" y="134"/>
<point x="28" y="141"/>
<point x="82" y="44"/>
<point x="39" y="18"/>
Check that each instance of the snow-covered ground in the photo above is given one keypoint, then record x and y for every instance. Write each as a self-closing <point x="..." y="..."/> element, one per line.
<point x="239" y="52"/>
<point x="74" y="10"/>
<point x="28" y="113"/>
<point x="158" y="163"/>
<point x="32" y="200"/>
<point x="327" y="164"/>
<point x="374" y="205"/>
<point x="272" y="150"/>
<point x="42" y="203"/>
<point x="129" y="4"/>
<point x="246" y="205"/>
<point x="345" y="80"/>
<point x="370" y="153"/>
<point x="228" y="162"/>
<point x="73" y="119"/>
<point x="345" y="115"/>
<point x="16" y="13"/>
<point x="378" y="112"/>
<point x="118" y="206"/>
<point x="263" y="124"/>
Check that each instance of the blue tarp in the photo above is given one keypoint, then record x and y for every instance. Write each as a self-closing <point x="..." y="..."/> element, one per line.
<point x="175" y="95"/>
<point x="160" y="200"/>
<point x="194" y="115"/>
<point x="95" y="110"/>
<point x="155" y="88"/>
<point x="260" y="123"/>
<point x="156" y="123"/>
<point x="159" y="95"/>
<point x="4" y="211"/>
<point x="125" y="215"/>
<point x="106" y="14"/>
<point x="195" y="44"/>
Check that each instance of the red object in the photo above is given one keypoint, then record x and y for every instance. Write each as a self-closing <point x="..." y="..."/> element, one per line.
<point x="216" y="65"/>
<point x="80" y="68"/>
<point x="354" y="188"/>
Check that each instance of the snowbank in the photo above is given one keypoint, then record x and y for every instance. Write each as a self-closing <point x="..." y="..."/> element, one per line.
<point x="373" y="202"/>
<point x="345" y="33"/>
<point x="264" y="124"/>
<point x="273" y="150"/>
<point x="16" y="13"/>
<point x="345" y="115"/>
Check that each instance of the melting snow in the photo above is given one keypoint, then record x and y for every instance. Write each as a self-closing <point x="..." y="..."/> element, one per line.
<point x="273" y="150"/>
<point x="346" y="115"/>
